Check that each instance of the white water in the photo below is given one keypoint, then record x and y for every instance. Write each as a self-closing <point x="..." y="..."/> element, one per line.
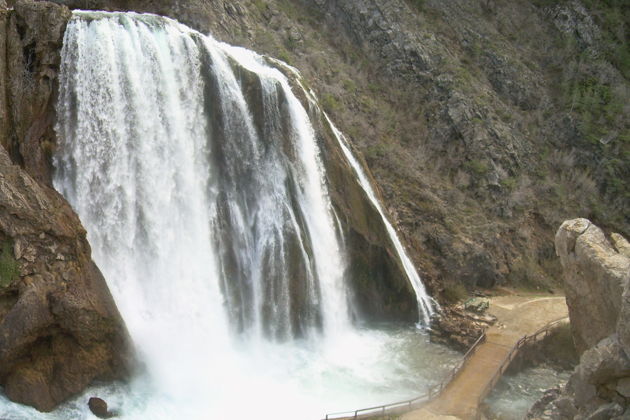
<point x="213" y="227"/>
<point x="425" y="303"/>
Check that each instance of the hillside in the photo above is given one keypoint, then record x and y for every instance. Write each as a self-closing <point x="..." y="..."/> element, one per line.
<point x="485" y="123"/>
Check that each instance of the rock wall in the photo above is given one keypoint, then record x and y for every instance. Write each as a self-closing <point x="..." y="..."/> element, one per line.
<point x="34" y="36"/>
<point x="597" y="284"/>
<point x="59" y="326"/>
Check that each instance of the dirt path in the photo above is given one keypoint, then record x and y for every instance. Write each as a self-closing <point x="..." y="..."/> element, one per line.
<point x="517" y="316"/>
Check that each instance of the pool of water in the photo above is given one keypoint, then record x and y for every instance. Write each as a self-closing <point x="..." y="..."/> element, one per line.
<point x="265" y="380"/>
<point x="516" y="393"/>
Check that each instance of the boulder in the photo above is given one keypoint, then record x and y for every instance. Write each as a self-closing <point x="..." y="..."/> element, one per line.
<point x="623" y="387"/>
<point x="606" y="412"/>
<point x="59" y="326"/>
<point x="565" y="407"/>
<point x="597" y="284"/>
<point x="477" y="305"/>
<point x="538" y="409"/>
<point x="98" y="407"/>
<point x="604" y="362"/>
<point x="596" y="276"/>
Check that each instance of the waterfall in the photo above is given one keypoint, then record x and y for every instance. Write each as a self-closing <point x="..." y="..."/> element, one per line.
<point x="425" y="303"/>
<point x="197" y="175"/>
<point x="179" y="184"/>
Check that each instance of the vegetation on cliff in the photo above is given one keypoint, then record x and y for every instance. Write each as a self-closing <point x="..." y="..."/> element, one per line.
<point x="9" y="270"/>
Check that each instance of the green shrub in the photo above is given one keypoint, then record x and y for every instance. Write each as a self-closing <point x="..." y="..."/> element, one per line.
<point x="508" y="183"/>
<point x="454" y="292"/>
<point x="349" y="86"/>
<point x="476" y="167"/>
<point x="283" y="55"/>
<point x="418" y="4"/>
<point x="330" y="103"/>
<point x="9" y="270"/>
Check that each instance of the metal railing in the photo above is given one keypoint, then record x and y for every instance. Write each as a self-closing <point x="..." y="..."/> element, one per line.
<point x="406" y="405"/>
<point x="513" y="352"/>
<point x="434" y="391"/>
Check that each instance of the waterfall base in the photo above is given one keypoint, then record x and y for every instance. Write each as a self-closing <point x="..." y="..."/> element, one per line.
<point x="263" y="380"/>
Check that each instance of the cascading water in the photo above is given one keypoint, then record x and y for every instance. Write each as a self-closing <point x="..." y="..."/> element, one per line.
<point x="425" y="302"/>
<point x="186" y="184"/>
<point x="425" y="308"/>
<point x="197" y="175"/>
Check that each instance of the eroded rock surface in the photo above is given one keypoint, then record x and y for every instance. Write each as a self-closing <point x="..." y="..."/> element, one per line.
<point x="595" y="278"/>
<point x="597" y="283"/>
<point x="34" y="36"/>
<point x="59" y="326"/>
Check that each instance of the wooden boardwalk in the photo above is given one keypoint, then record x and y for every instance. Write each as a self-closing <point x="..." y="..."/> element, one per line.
<point x="519" y="319"/>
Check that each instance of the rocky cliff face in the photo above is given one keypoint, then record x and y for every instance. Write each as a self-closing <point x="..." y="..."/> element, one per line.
<point x="597" y="283"/>
<point x="485" y="123"/>
<point x="34" y="35"/>
<point x="59" y="326"/>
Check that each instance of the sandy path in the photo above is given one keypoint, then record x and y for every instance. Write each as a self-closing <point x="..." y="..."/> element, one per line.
<point x="517" y="316"/>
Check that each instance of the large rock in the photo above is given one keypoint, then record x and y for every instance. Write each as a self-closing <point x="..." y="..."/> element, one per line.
<point x="597" y="283"/>
<point x="59" y="326"/>
<point x="604" y="362"/>
<point x="596" y="276"/>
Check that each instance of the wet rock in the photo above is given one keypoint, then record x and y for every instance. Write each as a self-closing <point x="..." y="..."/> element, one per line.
<point x="541" y="407"/>
<point x="59" y="327"/>
<point x="565" y="407"/>
<point x="98" y="407"/>
<point x="477" y="305"/>
<point x="606" y="412"/>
